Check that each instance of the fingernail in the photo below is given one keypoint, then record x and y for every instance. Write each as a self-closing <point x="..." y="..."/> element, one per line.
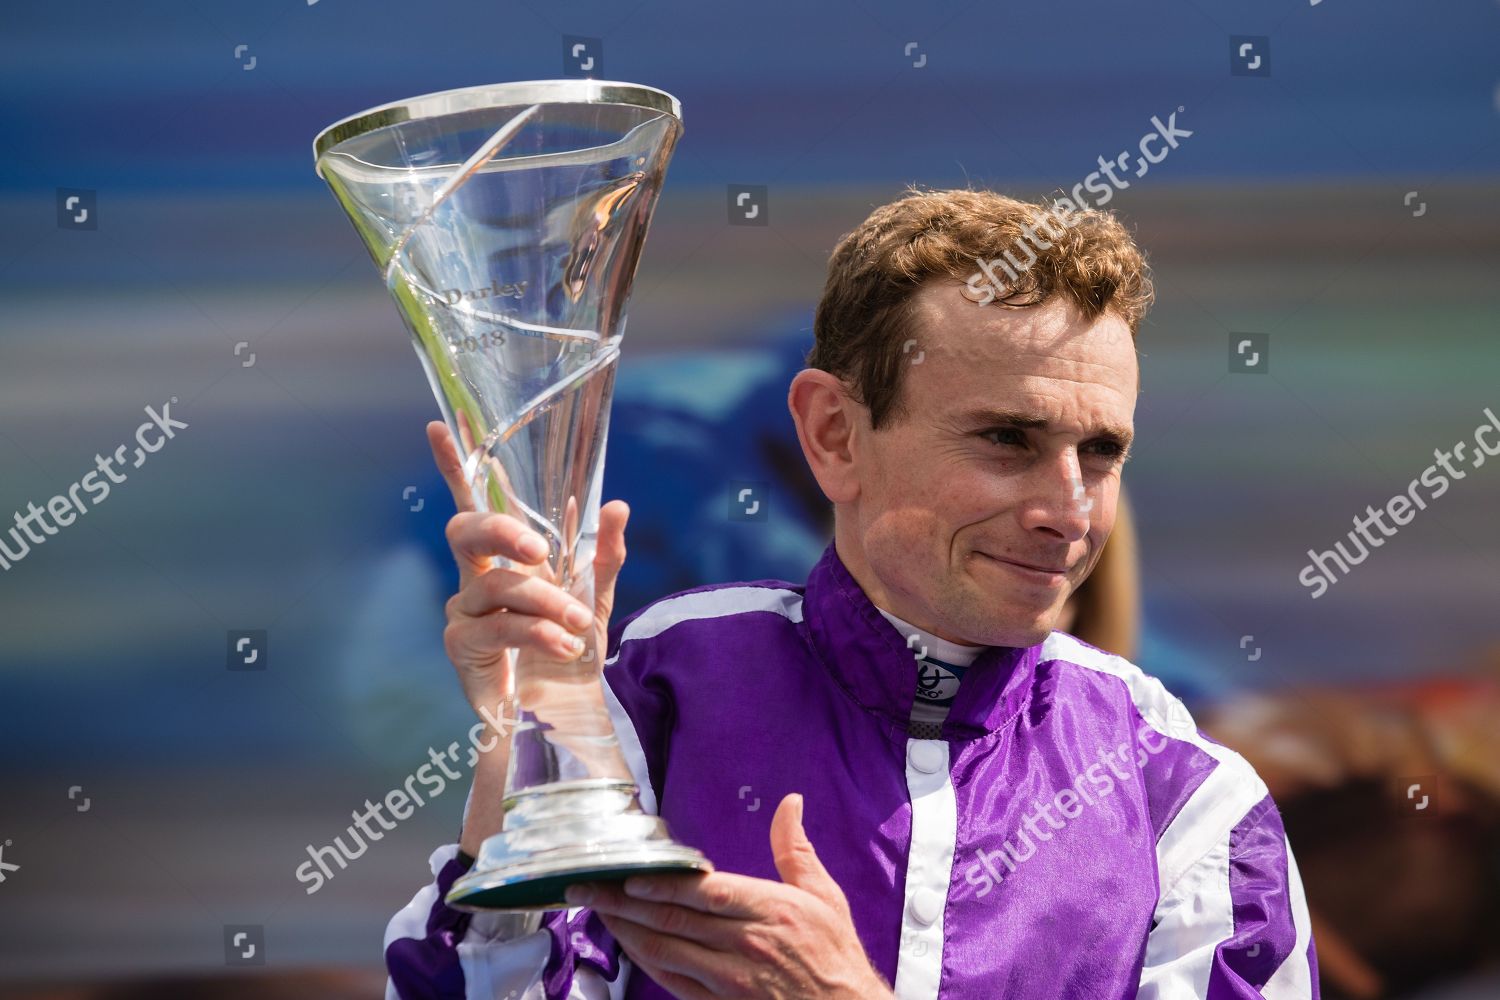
<point x="574" y="644"/>
<point x="642" y="888"/>
<point x="579" y="895"/>
<point x="533" y="547"/>
<point x="576" y="616"/>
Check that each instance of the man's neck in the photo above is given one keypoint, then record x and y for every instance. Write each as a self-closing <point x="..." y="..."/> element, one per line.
<point x="926" y="645"/>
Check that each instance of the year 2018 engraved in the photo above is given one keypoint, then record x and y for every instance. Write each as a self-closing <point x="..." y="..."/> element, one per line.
<point x="464" y="343"/>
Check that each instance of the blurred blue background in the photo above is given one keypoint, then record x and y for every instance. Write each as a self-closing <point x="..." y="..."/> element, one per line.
<point x="287" y="503"/>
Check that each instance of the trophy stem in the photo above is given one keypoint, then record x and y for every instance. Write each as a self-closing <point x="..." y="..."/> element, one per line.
<point x="571" y="401"/>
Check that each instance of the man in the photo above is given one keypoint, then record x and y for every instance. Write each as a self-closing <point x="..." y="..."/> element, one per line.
<point x="972" y="804"/>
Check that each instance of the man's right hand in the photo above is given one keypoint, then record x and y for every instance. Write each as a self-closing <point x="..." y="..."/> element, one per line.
<point x="519" y="608"/>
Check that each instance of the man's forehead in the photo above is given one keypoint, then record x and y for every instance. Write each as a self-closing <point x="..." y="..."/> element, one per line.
<point x="1051" y="340"/>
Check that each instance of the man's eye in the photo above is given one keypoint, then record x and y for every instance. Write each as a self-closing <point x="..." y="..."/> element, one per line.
<point x="1007" y="435"/>
<point x="1111" y="450"/>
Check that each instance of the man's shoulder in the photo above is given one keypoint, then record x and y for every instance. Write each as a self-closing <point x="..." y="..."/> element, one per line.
<point x="739" y="608"/>
<point x="1161" y="713"/>
<point x="1149" y="696"/>
<point x="1199" y="790"/>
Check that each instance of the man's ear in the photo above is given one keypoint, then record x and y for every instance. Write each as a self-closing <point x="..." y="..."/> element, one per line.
<point x="827" y="421"/>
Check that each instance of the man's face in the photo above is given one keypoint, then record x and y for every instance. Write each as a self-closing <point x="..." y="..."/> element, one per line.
<point x="1010" y="452"/>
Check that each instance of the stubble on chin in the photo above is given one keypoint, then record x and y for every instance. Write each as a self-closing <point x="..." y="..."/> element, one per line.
<point x="1002" y="620"/>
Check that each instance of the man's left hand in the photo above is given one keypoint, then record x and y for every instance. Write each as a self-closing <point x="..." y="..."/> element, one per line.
<point x="706" y="937"/>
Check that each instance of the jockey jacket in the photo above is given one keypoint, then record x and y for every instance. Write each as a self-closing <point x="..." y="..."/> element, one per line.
<point x="1069" y="833"/>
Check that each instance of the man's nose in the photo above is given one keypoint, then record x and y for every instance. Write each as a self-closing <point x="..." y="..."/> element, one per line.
<point x="1060" y="503"/>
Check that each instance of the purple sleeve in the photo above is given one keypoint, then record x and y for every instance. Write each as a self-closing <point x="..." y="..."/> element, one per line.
<point x="425" y="966"/>
<point x="1271" y="952"/>
<point x="422" y="950"/>
<point x="1235" y="926"/>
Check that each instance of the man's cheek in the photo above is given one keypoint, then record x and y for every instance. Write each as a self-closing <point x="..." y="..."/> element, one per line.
<point x="908" y="530"/>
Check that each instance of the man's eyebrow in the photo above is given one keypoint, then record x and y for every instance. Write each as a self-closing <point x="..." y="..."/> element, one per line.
<point x="986" y="417"/>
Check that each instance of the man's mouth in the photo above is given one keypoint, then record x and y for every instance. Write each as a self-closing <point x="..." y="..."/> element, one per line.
<point x="1040" y="567"/>
<point x="1055" y="569"/>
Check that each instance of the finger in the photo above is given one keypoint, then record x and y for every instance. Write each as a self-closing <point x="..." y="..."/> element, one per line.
<point x="719" y="893"/>
<point x="682" y="987"/>
<point x="449" y="463"/>
<point x="687" y="959"/>
<point x="609" y="556"/>
<point x="796" y="861"/>
<point x="484" y="640"/>
<point x="678" y="985"/>
<point x="476" y="538"/>
<point x="715" y="932"/>
<point x="502" y="589"/>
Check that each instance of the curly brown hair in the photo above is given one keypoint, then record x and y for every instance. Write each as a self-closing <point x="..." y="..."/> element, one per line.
<point x="864" y="320"/>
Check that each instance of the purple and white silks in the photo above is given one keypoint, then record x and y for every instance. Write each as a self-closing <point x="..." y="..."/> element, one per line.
<point x="1071" y="834"/>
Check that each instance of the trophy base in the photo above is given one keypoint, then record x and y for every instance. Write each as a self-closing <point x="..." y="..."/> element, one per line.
<point x="562" y="834"/>
<point x="543" y="890"/>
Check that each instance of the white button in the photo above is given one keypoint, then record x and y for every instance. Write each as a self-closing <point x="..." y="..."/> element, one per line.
<point x="927" y="756"/>
<point x="926" y="907"/>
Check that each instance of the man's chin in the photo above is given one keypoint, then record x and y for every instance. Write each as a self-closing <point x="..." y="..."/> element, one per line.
<point x="1027" y="638"/>
<point x="1028" y="631"/>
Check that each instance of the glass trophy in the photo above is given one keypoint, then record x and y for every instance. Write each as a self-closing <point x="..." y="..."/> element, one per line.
<point x="507" y="222"/>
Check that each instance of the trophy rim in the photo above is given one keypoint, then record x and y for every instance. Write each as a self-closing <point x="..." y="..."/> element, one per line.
<point x="523" y="92"/>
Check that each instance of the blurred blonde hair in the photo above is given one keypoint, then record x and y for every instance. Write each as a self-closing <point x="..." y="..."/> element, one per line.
<point x="1107" y="606"/>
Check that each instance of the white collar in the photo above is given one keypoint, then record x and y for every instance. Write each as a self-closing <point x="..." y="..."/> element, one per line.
<point x="937" y="647"/>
